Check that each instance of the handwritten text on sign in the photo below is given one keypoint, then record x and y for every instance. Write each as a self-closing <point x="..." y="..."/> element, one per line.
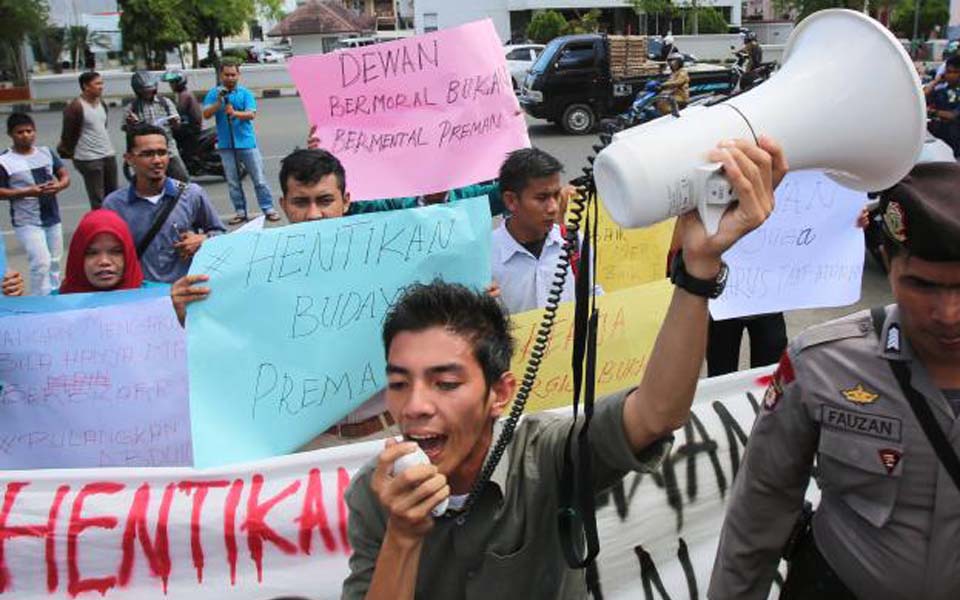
<point x="95" y="387"/>
<point x="809" y="253"/>
<point x="628" y="326"/>
<point x="630" y="257"/>
<point x="289" y="341"/>
<point x="442" y="100"/>
<point x="278" y="527"/>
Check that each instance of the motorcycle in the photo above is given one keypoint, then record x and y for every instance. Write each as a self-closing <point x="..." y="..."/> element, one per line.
<point x="742" y="80"/>
<point x="644" y="107"/>
<point x="198" y="149"/>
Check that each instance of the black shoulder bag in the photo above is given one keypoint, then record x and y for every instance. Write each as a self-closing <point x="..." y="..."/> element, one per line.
<point x="941" y="445"/>
<point x="159" y="221"/>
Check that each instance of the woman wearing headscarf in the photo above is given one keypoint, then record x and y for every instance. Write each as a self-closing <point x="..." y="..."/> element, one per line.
<point x="102" y="256"/>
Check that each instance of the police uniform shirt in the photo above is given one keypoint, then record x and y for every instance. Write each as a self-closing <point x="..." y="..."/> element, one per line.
<point x="888" y="521"/>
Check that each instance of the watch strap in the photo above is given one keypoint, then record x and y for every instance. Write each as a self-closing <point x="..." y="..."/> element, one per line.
<point x="706" y="288"/>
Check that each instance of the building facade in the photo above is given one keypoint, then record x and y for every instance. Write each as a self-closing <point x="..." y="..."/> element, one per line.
<point x="510" y="17"/>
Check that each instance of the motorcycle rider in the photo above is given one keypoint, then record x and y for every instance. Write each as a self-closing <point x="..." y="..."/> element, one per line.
<point x="753" y="60"/>
<point x="677" y="86"/>
<point x="188" y="107"/>
<point x="667" y="48"/>
<point x="149" y="107"/>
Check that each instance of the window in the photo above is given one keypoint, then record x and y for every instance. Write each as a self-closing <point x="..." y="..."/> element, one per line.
<point x="519" y="54"/>
<point x="429" y="22"/>
<point x="577" y="56"/>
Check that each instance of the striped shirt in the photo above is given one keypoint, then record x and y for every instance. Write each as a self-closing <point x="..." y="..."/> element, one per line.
<point x="19" y="171"/>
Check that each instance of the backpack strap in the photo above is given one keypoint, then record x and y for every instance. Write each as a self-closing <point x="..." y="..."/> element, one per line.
<point x="159" y="221"/>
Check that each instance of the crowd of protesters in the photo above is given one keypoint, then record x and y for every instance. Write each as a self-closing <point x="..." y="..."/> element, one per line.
<point x="449" y="349"/>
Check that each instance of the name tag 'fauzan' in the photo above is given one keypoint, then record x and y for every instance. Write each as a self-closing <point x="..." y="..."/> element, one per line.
<point x="878" y="426"/>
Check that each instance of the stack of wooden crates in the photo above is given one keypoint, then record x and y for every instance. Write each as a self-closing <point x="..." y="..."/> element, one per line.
<point x="628" y="57"/>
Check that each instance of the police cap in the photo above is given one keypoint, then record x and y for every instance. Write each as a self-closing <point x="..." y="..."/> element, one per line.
<point x="922" y="211"/>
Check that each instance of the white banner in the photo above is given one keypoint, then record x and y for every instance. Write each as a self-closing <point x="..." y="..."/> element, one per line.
<point x="278" y="526"/>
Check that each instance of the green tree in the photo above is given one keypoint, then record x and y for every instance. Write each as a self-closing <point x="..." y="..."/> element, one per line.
<point x="151" y="27"/>
<point x="708" y="20"/>
<point x="50" y="41"/>
<point x="932" y="13"/>
<point x="588" y="23"/>
<point x="75" y="39"/>
<point x="653" y="7"/>
<point x="18" y="19"/>
<point x="209" y="21"/>
<point x="545" y="25"/>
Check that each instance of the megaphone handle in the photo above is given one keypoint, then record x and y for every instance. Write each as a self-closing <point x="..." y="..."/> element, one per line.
<point x="714" y="194"/>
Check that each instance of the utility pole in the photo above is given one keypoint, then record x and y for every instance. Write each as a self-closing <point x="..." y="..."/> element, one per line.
<point x="916" y="28"/>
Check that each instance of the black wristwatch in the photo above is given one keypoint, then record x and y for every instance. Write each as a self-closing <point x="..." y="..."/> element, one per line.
<point x="707" y="288"/>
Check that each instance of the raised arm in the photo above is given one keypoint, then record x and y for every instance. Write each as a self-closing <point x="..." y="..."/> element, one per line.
<point x="662" y="401"/>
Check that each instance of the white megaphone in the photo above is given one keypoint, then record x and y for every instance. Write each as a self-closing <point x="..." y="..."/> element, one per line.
<point x="846" y="100"/>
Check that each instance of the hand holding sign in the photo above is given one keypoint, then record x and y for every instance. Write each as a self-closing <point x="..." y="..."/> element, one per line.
<point x="288" y="340"/>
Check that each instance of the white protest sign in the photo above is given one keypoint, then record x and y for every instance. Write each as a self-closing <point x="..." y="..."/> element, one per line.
<point x="809" y="253"/>
<point x="94" y="387"/>
<point x="278" y="526"/>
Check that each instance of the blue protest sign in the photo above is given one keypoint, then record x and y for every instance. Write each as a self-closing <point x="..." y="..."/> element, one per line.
<point x="55" y="303"/>
<point x="103" y="385"/>
<point x="288" y="342"/>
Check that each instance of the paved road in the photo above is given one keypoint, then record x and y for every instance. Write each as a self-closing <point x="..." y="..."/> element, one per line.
<point x="282" y="125"/>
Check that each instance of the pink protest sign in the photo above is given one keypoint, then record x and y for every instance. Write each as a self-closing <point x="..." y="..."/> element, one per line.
<point x="414" y="116"/>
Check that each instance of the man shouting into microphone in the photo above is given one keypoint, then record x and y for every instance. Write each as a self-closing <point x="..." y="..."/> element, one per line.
<point x="448" y="354"/>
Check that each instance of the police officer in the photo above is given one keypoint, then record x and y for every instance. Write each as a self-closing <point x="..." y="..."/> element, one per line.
<point x="888" y="520"/>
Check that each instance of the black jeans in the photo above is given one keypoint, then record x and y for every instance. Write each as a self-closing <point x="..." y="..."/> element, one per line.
<point x="99" y="178"/>
<point x="768" y="340"/>
<point x="809" y="576"/>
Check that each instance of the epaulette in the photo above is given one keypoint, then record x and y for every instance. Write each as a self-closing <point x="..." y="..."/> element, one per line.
<point x="850" y="326"/>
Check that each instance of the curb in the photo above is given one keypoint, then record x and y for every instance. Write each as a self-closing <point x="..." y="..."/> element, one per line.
<point x="59" y="105"/>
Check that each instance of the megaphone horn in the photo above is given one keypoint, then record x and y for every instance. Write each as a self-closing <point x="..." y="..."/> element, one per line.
<point x="846" y="100"/>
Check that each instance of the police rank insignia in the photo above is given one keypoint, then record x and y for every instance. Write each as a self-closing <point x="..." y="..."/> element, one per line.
<point x="893" y="339"/>
<point x="890" y="458"/>
<point x="895" y="221"/>
<point x="859" y="395"/>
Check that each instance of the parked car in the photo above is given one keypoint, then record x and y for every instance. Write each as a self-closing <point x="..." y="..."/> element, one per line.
<point x="270" y="55"/>
<point x="242" y="53"/>
<point x="520" y="58"/>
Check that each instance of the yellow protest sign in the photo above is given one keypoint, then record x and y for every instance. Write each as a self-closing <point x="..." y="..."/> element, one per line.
<point x="628" y="326"/>
<point x="630" y="257"/>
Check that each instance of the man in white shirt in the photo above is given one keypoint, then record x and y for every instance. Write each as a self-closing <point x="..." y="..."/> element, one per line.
<point x="528" y="244"/>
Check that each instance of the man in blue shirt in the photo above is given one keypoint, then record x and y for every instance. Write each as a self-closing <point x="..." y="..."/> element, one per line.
<point x="235" y="109"/>
<point x="190" y="221"/>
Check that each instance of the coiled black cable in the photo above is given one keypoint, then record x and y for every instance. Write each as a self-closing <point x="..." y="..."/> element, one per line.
<point x="586" y="188"/>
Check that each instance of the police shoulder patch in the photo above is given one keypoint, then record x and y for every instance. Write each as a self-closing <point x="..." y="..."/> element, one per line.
<point x="784" y="375"/>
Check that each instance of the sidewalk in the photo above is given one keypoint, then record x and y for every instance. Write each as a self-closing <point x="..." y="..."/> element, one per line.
<point x="114" y="101"/>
